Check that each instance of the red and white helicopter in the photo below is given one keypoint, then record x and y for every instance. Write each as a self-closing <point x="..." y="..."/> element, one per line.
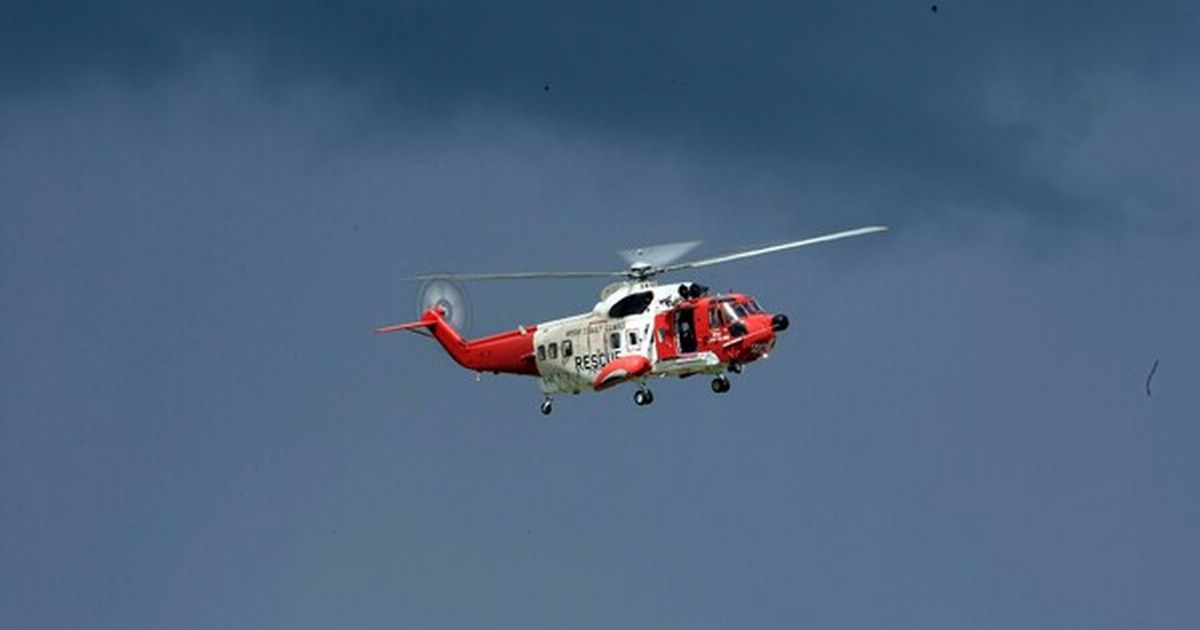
<point x="639" y="329"/>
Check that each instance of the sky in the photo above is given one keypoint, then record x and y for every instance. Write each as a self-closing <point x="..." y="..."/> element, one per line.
<point x="206" y="207"/>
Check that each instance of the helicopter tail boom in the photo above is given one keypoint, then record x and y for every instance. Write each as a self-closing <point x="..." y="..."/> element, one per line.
<point x="510" y="352"/>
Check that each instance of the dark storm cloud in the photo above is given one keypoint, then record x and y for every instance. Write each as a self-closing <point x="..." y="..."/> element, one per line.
<point x="967" y="101"/>
<point x="204" y="210"/>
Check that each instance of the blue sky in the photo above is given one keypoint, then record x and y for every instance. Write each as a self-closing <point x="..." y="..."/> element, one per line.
<point x="204" y="210"/>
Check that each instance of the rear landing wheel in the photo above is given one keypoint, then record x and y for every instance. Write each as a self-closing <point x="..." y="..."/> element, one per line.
<point x="547" y="407"/>
<point x="720" y="385"/>
<point x="643" y="397"/>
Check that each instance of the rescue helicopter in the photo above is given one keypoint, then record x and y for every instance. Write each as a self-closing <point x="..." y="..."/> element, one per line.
<point x="638" y="331"/>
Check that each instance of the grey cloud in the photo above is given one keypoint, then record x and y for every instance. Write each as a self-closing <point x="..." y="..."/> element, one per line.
<point x="864" y="90"/>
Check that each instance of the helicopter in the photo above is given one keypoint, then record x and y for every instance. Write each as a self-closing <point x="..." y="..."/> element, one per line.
<point x="639" y="329"/>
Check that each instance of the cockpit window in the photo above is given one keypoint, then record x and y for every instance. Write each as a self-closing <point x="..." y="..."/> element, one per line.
<point x="752" y="307"/>
<point x="632" y="304"/>
<point x="733" y="311"/>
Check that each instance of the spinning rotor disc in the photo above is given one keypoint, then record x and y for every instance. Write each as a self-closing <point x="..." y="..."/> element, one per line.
<point x="451" y="297"/>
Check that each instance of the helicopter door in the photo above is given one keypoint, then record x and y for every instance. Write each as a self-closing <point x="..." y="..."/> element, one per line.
<point x="664" y="336"/>
<point x="685" y="326"/>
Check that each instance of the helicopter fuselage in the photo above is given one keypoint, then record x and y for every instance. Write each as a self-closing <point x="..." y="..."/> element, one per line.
<point x="636" y="332"/>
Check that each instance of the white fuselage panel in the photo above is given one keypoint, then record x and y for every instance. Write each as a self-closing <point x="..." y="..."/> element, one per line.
<point x="570" y="352"/>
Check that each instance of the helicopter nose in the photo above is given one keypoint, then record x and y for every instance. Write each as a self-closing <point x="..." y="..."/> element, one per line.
<point x="779" y="322"/>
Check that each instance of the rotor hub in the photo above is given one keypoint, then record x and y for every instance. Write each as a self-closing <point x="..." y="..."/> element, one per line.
<point x="640" y="270"/>
<point x="449" y="297"/>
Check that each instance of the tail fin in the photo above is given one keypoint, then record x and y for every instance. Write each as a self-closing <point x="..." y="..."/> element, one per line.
<point x="433" y="322"/>
<point x="413" y="326"/>
<point x="429" y="320"/>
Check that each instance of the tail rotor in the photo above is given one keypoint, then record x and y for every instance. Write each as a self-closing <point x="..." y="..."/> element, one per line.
<point x="450" y="296"/>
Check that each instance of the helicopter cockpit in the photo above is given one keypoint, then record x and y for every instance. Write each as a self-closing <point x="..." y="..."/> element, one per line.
<point x="733" y="325"/>
<point x="730" y="313"/>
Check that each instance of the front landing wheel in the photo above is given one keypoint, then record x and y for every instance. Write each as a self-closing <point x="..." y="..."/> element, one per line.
<point x="720" y="385"/>
<point x="547" y="407"/>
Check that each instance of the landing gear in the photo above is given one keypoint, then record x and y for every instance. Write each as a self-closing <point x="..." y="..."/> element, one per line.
<point x="643" y="397"/>
<point x="720" y="385"/>
<point x="735" y="367"/>
<point x="547" y="406"/>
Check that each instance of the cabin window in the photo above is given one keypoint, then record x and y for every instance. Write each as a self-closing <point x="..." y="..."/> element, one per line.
<point x="553" y="350"/>
<point x="714" y="318"/>
<point x="614" y="341"/>
<point x="633" y="338"/>
<point x="568" y="349"/>
<point x="541" y="353"/>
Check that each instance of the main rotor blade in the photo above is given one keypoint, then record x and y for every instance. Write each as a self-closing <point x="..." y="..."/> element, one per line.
<point x="520" y="275"/>
<point x="770" y="249"/>
<point x="658" y="255"/>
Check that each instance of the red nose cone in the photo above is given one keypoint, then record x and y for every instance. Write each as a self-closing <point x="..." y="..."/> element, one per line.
<point x="758" y="340"/>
